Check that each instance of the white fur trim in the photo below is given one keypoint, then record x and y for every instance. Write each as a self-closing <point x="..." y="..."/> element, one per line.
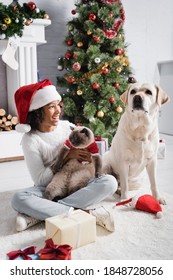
<point x="22" y="128"/>
<point x="159" y="215"/>
<point x="43" y="97"/>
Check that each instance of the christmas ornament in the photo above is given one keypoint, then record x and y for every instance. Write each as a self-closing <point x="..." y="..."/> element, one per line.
<point x="79" y="92"/>
<point x="3" y="27"/>
<point x="76" y="66"/>
<point x="27" y="22"/>
<point x="105" y="71"/>
<point x="97" y="60"/>
<point x="46" y="16"/>
<point x="92" y="17"/>
<point x="70" y="42"/>
<point x="110" y="33"/>
<point x="116" y="85"/>
<point x="2" y="36"/>
<point x="80" y="44"/>
<point x="7" y="20"/>
<point x="117" y="24"/>
<point x="89" y="32"/>
<point x="73" y="12"/>
<point x="68" y="55"/>
<point x="95" y="86"/>
<point x="100" y="114"/>
<point x="96" y="38"/>
<point x="71" y="80"/>
<point x="145" y="203"/>
<point x="31" y="6"/>
<point x="119" y="109"/>
<point x="119" y="69"/>
<point x="119" y="51"/>
<point x="8" y="55"/>
<point x="111" y="99"/>
<point x="60" y="65"/>
<point x="131" y="80"/>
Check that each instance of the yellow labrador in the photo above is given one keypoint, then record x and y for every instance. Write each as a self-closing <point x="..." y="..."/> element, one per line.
<point x="134" y="147"/>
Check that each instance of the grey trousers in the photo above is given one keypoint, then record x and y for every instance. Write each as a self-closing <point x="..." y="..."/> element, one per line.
<point x="31" y="202"/>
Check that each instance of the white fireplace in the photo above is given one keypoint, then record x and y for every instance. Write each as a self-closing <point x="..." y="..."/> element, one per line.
<point x="26" y="73"/>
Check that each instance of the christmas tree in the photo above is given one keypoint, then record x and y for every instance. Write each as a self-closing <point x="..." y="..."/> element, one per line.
<point x="96" y="66"/>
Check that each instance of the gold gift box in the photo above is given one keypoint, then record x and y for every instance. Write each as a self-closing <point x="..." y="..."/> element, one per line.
<point x="76" y="228"/>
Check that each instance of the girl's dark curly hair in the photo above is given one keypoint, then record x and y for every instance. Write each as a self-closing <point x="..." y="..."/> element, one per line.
<point x="35" y="118"/>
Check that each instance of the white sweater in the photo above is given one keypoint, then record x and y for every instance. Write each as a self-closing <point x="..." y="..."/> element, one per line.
<point x="40" y="148"/>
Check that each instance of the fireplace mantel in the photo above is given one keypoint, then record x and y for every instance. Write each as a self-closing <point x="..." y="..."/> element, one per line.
<point x="26" y="56"/>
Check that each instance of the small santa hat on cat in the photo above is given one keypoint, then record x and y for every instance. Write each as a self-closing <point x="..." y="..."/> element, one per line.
<point x="32" y="97"/>
<point x="145" y="203"/>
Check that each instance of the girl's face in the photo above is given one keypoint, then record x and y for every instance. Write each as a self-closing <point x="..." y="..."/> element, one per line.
<point x="51" y="113"/>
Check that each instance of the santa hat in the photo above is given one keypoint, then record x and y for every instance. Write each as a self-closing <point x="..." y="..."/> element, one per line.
<point x="31" y="97"/>
<point x="145" y="203"/>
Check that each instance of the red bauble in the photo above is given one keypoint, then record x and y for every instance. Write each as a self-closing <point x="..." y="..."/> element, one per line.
<point x="73" y="12"/>
<point x="76" y="66"/>
<point x="95" y="86"/>
<point x="116" y="85"/>
<point x="92" y="17"/>
<point x="119" y="51"/>
<point x="31" y="6"/>
<point x="70" y="42"/>
<point x="68" y="55"/>
<point x="96" y="38"/>
<point x="105" y="70"/>
<point x="71" y="80"/>
<point x="112" y="99"/>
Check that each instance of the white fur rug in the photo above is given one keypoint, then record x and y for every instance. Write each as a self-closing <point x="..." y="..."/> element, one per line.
<point x="138" y="235"/>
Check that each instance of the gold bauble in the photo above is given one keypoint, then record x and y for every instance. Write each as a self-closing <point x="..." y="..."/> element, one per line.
<point x="46" y="16"/>
<point x="27" y="22"/>
<point x="89" y="32"/>
<point x="79" y="44"/>
<point x="119" y="109"/>
<point x="7" y="20"/>
<point x="100" y="114"/>
<point x="119" y="69"/>
<point x="79" y="92"/>
<point x="3" y="27"/>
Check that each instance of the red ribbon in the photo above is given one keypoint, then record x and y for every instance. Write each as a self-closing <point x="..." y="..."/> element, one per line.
<point x="22" y="253"/>
<point x="55" y="252"/>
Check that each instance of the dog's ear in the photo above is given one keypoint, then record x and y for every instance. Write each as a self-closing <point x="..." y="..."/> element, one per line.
<point x="161" y="97"/>
<point x="124" y="96"/>
<point x="72" y="127"/>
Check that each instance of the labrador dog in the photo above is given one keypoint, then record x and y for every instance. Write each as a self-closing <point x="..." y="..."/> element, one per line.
<point x="134" y="146"/>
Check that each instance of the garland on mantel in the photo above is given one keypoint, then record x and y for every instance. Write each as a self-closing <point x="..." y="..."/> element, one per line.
<point x="14" y="17"/>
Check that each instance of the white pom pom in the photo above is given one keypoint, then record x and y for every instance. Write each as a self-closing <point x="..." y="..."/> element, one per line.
<point x="159" y="215"/>
<point x="22" y="128"/>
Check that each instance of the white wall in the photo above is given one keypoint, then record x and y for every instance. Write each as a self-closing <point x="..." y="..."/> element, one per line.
<point x="148" y="29"/>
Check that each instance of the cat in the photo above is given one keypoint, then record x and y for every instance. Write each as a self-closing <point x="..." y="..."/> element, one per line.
<point x="74" y="175"/>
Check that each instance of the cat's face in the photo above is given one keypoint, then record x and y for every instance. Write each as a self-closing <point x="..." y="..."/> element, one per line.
<point x="81" y="137"/>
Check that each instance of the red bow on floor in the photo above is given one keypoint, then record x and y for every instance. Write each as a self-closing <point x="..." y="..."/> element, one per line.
<point x="55" y="252"/>
<point x="22" y="253"/>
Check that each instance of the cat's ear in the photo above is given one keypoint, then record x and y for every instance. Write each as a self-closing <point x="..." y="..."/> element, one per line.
<point x="72" y="127"/>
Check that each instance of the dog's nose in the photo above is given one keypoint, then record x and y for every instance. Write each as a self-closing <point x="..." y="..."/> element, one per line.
<point x="137" y="102"/>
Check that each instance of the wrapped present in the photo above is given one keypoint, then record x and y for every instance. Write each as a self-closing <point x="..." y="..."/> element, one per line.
<point x="102" y="144"/>
<point x="161" y="153"/>
<point x="55" y="252"/>
<point x="24" y="254"/>
<point x="77" y="228"/>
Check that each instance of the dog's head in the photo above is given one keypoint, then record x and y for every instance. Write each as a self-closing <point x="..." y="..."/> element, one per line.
<point x="81" y="137"/>
<point x="144" y="98"/>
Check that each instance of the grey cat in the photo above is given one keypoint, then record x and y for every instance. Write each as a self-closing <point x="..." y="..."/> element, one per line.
<point x="74" y="175"/>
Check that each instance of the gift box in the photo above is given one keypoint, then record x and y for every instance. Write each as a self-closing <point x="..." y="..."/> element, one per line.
<point x="27" y="253"/>
<point x="77" y="228"/>
<point x="161" y="153"/>
<point x="52" y="251"/>
<point x="102" y="144"/>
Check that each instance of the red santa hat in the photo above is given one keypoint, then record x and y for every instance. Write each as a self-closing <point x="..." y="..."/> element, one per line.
<point x="31" y="97"/>
<point x="146" y="203"/>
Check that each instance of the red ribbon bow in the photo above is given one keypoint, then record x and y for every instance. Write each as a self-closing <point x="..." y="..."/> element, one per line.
<point x="22" y="253"/>
<point x="55" y="252"/>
